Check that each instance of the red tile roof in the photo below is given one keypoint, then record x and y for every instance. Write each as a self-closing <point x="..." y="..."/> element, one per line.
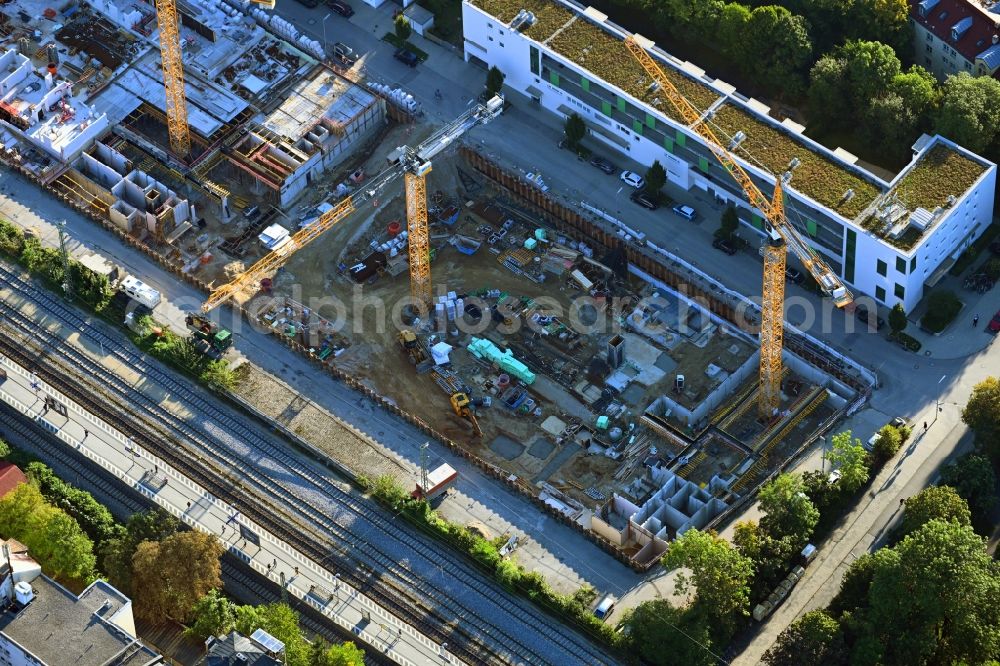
<point x="10" y="477"/>
<point x="973" y="41"/>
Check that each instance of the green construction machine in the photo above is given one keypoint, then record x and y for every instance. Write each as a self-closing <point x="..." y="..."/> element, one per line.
<point x="209" y="338"/>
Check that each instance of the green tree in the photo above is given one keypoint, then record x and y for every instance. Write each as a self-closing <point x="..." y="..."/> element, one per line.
<point x="897" y="318"/>
<point x="575" y="129"/>
<point x="776" y="50"/>
<point x="815" y="638"/>
<point x="174" y="574"/>
<point x="938" y="589"/>
<point x="248" y="619"/>
<point x="970" y="110"/>
<point x="92" y="288"/>
<point x="770" y="556"/>
<point x="494" y="81"/>
<point x="728" y="224"/>
<point x="653" y="624"/>
<point x="732" y="28"/>
<point x="934" y="503"/>
<point x="344" y="654"/>
<point x="116" y="554"/>
<point x="829" y="105"/>
<point x="870" y="69"/>
<point x="92" y="516"/>
<point x="213" y="615"/>
<point x="218" y="376"/>
<point x="719" y="573"/>
<point x="973" y="478"/>
<point x="982" y="415"/>
<point x="919" y="91"/>
<point x="402" y="28"/>
<point x="889" y="124"/>
<point x="857" y="582"/>
<point x="4" y="449"/>
<point x="656" y="178"/>
<point x="788" y="511"/>
<point x="888" y="443"/>
<point x="282" y="622"/>
<point x="851" y="459"/>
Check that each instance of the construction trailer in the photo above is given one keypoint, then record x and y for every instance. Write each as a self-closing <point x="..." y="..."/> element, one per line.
<point x="438" y="481"/>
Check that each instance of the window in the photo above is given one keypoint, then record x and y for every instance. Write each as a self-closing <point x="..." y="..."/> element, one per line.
<point x="881" y="267"/>
<point x="501" y="33"/>
<point x="852" y="241"/>
<point x="913" y="264"/>
<point x="501" y="44"/>
<point x="929" y="49"/>
<point x="880" y="294"/>
<point x="928" y="61"/>
<point x="489" y="38"/>
<point x="900" y="264"/>
<point x="489" y="25"/>
<point x="533" y="56"/>
<point x="899" y="292"/>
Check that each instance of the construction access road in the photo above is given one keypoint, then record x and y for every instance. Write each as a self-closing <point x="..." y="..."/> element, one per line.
<point x="340" y="535"/>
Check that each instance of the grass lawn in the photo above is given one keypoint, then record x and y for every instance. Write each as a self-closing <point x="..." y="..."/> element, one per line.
<point x="395" y="41"/>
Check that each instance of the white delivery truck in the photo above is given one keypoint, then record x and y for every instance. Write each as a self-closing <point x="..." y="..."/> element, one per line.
<point x="140" y="291"/>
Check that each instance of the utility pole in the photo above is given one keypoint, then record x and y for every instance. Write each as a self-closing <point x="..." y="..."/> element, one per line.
<point x="67" y="284"/>
<point x="423" y="467"/>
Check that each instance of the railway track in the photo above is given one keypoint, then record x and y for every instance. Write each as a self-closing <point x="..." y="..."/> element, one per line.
<point x="228" y="456"/>
<point x="242" y="582"/>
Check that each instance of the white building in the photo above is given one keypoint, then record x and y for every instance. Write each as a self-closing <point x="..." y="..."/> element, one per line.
<point x="569" y="59"/>
<point x="37" y="107"/>
<point x="44" y="623"/>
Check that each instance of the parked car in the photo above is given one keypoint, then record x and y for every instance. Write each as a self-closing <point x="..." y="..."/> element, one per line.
<point x="633" y="179"/>
<point x="406" y="56"/>
<point x="603" y="164"/>
<point x="645" y="199"/>
<point x="309" y="3"/>
<point x="898" y="421"/>
<point x="994" y="325"/>
<point x="724" y="245"/>
<point x="794" y="275"/>
<point x="340" y="7"/>
<point x="686" y="212"/>
<point x="344" y="53"/>
<point x="861" y="312"/>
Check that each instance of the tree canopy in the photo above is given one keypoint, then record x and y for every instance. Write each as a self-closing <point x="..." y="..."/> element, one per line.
<point x="974" y="480"/>
<point x="656" y="178"/>
<point x="934" y="503"/>
<point x="788" y="511"/>
<point x="982" y="415"/>
<point x="653" y="624"/>
<point x="850" y="458"/>
<point x="575" y="129"/>
<point x="718" y="572"/>
<point x="494" y="81"/>
<point x="970" y="110"/>
<point x="173" y="574"/>
<point x="402" y="28"/>
<point x="814" y="638"/>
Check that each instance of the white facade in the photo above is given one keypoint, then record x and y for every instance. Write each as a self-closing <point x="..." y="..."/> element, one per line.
<point x="850" y="250"/>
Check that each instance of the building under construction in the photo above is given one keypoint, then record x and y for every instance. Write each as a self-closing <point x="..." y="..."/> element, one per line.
<point x="83" y="100"/>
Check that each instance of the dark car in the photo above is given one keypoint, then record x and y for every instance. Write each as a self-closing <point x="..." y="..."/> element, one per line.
<point x="309" y="3"/>
<point x="861" y="312"/>
<point x="340" y="7"/>
<point x="994" y="325"/>
<point x="794" y="275"/>
<point x="645" y="199"/>
<point x="995" y="246"/>
<point x="603" y="164"/>
<point x="724" y="245"/>
<point x="406" y="57"/>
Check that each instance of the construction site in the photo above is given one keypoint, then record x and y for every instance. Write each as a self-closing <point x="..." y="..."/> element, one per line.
<point x="620" y="402"/>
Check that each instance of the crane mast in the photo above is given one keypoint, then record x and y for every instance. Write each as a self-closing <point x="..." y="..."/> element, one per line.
<point x="782" y="236"/>
<point x="173" y="78"/>
<point x="414" y="164"/>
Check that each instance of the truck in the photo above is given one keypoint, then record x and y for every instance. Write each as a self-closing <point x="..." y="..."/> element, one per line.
<point x="139" y="291"/>
<point x="210" y="339"/>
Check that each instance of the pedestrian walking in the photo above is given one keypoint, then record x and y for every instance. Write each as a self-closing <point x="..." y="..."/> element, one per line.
<point x="925" y="426"/>
<point x="975" y="321"/>
<point x="86" y="433"/>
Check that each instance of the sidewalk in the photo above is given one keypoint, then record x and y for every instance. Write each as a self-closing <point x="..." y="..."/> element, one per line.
<point x="960" y="338"/>
<point x="376" y="628"/>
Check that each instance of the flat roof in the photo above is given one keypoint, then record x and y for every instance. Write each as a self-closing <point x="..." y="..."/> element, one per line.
<point x="322" y="98"/>
<point x="60" y="628"/>
<point x="585" y="37"/>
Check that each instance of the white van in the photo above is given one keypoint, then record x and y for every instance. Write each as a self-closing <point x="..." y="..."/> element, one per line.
<point x="687" y="212"/>
<point x="140" y="291"/>
<point x="605" y="608"/>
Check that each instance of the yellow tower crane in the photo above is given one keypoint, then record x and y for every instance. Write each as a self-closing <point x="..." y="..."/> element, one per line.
<point x="415" y="163"/>
<point x="782" y="236"/>
<point x="173" y="78"/>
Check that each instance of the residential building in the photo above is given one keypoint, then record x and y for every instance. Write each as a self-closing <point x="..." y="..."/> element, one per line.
<point x="44" y="623"/>
<point x="887" y="239"/>
<point x="951" y="36"/>
<point x="235" y="649"/>
<point x="11" y="477"/>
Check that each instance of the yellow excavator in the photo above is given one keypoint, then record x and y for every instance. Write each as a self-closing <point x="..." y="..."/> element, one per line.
<point x="462" y="405"/>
